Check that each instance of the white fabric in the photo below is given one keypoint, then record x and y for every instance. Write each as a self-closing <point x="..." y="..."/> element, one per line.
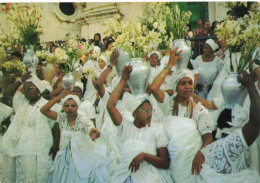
<point x="77" y="160"/>
<point x="147" y="140"/>
<point x="208" y="71"/>
<point x="29" y="134"/>
<point x="5" y="111"/>
<point x="138" y="100"/>
<point x="200" y="114"/>
<point x="104" y="58"/>
<point x="179" y="74"/>
<point x="79" y="84"/>
<point x="212" y="44"/>
<point x="155" y="52"/>
<point x="225" y="161"/>
<point x="97" y="49"/>
<point x="108" y="148"/>
<point x="256" y="54"/>
<point x="87" y="110"/>
<point x="185" y="141"/>
<point x="74" y="97"/>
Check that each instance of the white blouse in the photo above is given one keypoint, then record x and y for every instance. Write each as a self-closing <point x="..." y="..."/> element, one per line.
<point x="200" y="114"/>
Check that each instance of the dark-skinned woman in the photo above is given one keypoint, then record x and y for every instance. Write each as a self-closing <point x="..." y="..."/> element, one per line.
<point x="143" y="154"/>
<point x="193" y="122"/>
<point x="27" y="142"/>
<point x="74" y="160"/>
<point x="208" y="66"/>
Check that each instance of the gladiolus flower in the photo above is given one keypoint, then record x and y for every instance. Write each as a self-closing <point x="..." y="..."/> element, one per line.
<point x="3" y="9"/>
<point x="37" y="18"/>
<point x="8" y="6"/>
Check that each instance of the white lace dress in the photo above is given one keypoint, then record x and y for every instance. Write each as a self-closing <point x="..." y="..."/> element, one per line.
<point x="208" y="71"/>
<point x="74" y="161"/>
<point x="184" y="136"/>
<point x="225" y="161"/>
<point x="148" y="140"/>
<point x="26" y="144"/>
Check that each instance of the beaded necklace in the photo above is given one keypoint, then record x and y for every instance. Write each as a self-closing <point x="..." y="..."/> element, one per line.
<point x="189" y="111"/>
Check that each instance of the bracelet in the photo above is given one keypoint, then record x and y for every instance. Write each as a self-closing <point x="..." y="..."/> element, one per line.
<point x="110" y="66"/>
<point x="166" y="67"/>
<point x="162" y="74"/>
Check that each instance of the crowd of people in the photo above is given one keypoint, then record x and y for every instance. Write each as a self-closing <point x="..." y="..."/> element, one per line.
<point x="98" y="131"/>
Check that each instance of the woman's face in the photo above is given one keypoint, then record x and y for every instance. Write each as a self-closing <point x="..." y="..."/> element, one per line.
<point x="185" y="87"/>
<point x="154" y="60"/>
<point x="70" y="107"/>
<point x="101" y="63"/>
<point x="77" y="91"/>
<point x="143" y="114"/>
<point x="207" y="49"/>
<point x="31" y="92"/>
<point x="96" y="38"/>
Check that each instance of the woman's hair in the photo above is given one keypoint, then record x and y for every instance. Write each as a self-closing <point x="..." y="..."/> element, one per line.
<point x="98" y="36"/>
<point x="17" y="54"/>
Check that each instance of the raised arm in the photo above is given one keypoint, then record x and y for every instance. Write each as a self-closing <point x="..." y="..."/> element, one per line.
<point x="46" y="109"/>
<point x="252" y="128"/>
<point x="111" y="104"/>
<point x="157" y="82"/>
<point x="103" y="76"/>
<point x="204" y="102"/>
<point x="10" y="90"/>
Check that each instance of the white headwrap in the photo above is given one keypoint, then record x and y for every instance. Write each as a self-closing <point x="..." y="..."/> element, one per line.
<point x="97" y="49"/>
<point x="155" y="52"/>
<point x="137" y="101"/>
<point x="212" y="44"/>
<point x="104" y="58"/>
<point x="79" y="84"/>
<point x="179" y="74"/>
<point x="74" y="97"/>
<point x="38" y="83"/>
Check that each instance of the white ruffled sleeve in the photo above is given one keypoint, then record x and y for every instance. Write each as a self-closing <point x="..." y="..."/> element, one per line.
<point x="202" y="117"/>
<point x="162" y="139"/>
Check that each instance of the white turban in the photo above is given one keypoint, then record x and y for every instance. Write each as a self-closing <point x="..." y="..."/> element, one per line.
<point x="179" y="74"/>
<point x="136" y="102"/>
<point x="212" y="44"/>
<point x="97" y="49"/>
<point x="155" y="52"/>
<point x="38" y="83"/>
<point x="74" y="97"/>
<point x="79" y="85"/>
<point x="103" y="58"/>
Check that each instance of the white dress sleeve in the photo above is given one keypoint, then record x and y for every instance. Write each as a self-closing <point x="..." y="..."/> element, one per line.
<point x="195" y="63"/>
<point x="162" y="139"/>
<point x="202" y="117"/>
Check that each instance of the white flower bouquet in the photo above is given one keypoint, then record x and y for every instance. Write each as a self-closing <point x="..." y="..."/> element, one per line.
<point x="89" y="71"/>
<point x="15" y="67"/>
<point x="242" y="36"/>
<point x="136" y="39"/>
<point x="26" y="22"/>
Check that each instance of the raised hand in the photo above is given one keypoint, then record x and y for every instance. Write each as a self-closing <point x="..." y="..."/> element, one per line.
<point x="114" y="57"/>
<point x="174" y="57"/>
<point x="245" y="79"/>
<point x="126" y="72"/>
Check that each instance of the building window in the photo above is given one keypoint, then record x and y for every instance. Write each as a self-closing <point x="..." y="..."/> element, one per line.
<point x="67" y="8"/>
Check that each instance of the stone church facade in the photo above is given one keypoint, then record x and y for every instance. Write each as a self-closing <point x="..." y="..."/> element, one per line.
<point x="88" y="17"/>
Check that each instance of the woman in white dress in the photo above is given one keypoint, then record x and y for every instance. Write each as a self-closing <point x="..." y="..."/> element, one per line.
<point x="191" y="130"/>
<point x="143" y="153"/>
<point x="225" y="159"/>
<point x="27" y="142"/>
<point x="208" y="66"/>
<point x="74" y="160"/>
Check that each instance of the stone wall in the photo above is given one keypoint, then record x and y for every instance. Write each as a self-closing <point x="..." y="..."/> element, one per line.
<point x="89" y="16"/>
